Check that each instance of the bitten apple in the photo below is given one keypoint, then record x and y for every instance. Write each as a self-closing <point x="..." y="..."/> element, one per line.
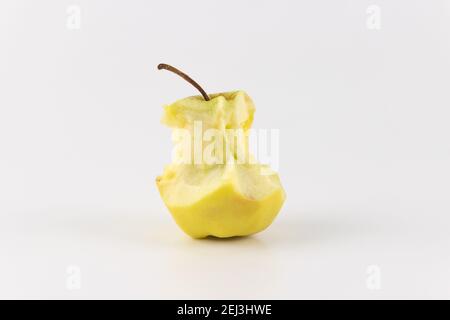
<point x="225" y="197"/>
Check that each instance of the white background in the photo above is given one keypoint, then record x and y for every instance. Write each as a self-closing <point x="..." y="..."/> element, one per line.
<point x="364" y="147"/>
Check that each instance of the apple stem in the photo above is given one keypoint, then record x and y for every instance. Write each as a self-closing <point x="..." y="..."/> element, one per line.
<point x="185" y="77"/>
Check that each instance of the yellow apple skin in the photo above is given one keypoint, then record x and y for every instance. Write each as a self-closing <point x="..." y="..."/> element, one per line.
<point x="226" y="213"/>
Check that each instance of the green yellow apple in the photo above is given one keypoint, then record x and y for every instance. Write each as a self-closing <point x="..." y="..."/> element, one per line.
<point x="230" y="194"/>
